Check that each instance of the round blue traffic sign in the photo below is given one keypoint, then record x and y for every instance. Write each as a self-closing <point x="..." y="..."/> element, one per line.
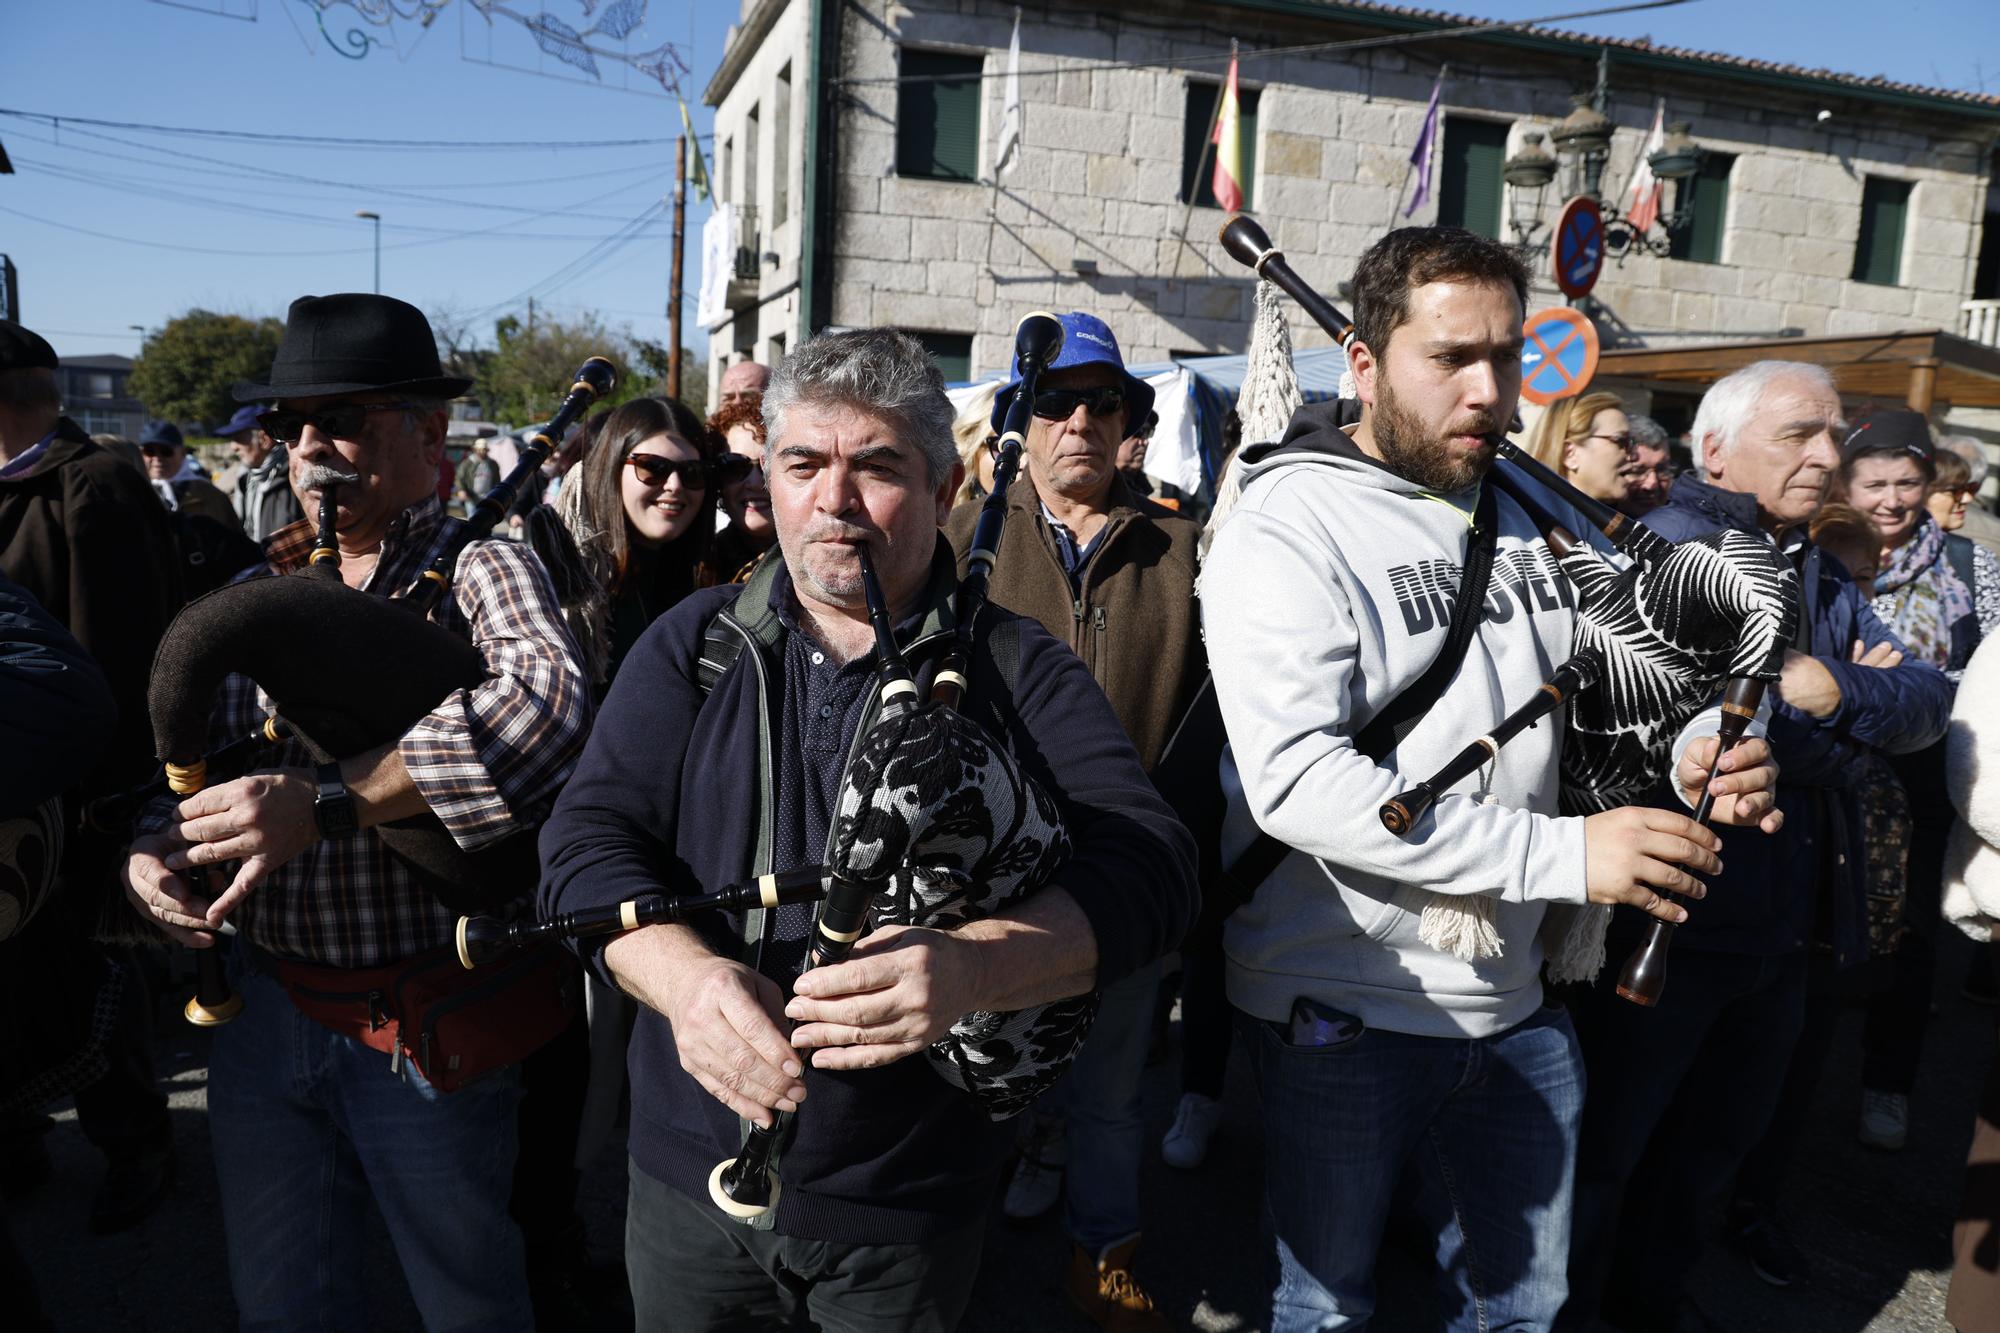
<point x="1579" y="247"/>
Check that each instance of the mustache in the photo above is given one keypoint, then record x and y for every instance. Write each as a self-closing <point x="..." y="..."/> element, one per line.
<point x="833" y="530"/>
<point x="317" y="476"/>
<point x="1482" y="423"/>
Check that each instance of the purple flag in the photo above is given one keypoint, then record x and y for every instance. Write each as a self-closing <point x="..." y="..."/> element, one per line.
<point x="1421" y="155"/>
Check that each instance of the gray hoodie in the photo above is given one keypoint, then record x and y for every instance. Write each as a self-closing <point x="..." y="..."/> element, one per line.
<point x="1327" y="593"/>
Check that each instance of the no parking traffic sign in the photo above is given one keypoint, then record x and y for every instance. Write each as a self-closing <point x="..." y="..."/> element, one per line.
<point x="1559" y="356"/>
<point x="1579" y="247"/>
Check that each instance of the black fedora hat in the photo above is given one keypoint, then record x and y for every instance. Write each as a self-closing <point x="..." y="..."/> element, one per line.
<point x="354" y="342"/>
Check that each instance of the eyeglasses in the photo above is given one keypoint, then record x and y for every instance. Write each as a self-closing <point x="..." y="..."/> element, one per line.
<point x="1060" y="404"/>
<point x="732" y="468"/>
<point x="1960" y="493"/>
<point x="343" y="421"/>
<point x="655" y="470"/>
<point x="1622" y="441"/>
<point x="158" y="450"/>
<point x="1664" y="473"/>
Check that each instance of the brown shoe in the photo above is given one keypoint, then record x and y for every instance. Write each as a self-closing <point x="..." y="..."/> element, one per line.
<point x="1107" y="1291"/>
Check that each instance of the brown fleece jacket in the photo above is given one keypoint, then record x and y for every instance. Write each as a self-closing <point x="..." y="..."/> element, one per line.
<point x="1135" y="621"/>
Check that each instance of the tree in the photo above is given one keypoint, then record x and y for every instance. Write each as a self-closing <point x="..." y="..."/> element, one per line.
<point x="521" y="382"/>
<point x="186" y="369"/>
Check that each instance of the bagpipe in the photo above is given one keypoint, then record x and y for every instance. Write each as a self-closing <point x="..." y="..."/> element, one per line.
<point x="935" y="825"/>
<point x="347" y="671"/>
<point x="1656" y="641"/>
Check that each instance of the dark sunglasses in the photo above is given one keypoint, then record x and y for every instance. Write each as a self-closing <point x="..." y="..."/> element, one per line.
<point x="1964" y="490"/>
<point x="732" y="468"/>
<point x="341" y="422"/>
<point x="1059" y="404"/>
<point x="655" y="470"/>
<point x="157" y="450"/>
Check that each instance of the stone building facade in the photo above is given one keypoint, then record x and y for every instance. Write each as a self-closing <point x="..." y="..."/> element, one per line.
<point x="1091" y="212"/>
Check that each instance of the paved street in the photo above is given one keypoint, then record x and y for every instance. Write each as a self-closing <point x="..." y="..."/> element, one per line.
<point x="1877" y="1226"/>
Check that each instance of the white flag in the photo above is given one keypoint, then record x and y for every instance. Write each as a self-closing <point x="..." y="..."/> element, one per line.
<point x="718" y="265"/>
<point x="1010" y="106"/>
<point x="1642" y="200"/>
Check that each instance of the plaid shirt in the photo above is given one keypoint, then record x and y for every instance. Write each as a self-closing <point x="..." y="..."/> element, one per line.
<point x="487" y="759"/>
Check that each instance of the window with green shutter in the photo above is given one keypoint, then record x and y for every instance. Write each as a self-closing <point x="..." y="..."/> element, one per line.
<point x="951" y="351"/>
<point x="1201" y="98"/>
<point x="937" y="115"/>
<point x="1467" y="171"/>
<point x="1878" y="255"/>
<point x="1705" y="195"/>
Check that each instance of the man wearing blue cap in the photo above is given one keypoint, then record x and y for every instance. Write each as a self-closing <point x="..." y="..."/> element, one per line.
<point x="258" y="486"/>
<point x="1112" y="574"/>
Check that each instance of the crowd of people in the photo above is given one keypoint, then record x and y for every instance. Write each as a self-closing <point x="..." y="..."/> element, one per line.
<point x="708" y="630"/>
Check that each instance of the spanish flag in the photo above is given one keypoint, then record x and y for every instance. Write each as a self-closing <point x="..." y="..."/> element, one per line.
<point x="1227" y="183"/>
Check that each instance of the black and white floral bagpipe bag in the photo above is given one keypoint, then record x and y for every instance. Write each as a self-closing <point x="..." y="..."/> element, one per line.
<point x="1665" y="631"/>
<point x="946" y="823"/>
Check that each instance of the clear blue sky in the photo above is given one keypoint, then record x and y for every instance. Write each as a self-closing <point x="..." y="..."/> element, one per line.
<point x="155" y="63"/>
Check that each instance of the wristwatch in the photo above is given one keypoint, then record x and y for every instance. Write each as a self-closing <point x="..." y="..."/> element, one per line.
<point x="333" y="804"/>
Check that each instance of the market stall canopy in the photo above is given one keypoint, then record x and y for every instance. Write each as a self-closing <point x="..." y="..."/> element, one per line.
<point x="1920" y="367"/>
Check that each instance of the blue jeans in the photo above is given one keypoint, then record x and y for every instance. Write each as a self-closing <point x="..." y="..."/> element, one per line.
<point x="307" y="1125"/>
<point x="1483" y="1129"/>
<point x="1107" y="1123"/>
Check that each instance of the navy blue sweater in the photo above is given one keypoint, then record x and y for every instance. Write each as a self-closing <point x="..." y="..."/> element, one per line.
<point x="1764" y="901"/>
<point x="672" y="795"/>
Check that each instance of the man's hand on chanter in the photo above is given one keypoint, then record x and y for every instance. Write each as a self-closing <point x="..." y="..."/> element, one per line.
<point x="1745" y="786"/>
<point x="898" y="991"/>
<point x="1634" y="852"/>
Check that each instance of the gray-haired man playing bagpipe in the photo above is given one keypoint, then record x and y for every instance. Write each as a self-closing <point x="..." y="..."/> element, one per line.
<point x="1390" y="987"/>
<point x="723" y="753"/>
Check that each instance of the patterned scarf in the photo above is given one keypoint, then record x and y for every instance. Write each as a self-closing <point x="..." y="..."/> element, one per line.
<point x="1920" y="595"/>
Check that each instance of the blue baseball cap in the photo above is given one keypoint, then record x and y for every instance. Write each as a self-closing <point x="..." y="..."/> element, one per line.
<point x="162" y="432"/>
<point x="245" y="419"/>
<point x="1087" y="340"/>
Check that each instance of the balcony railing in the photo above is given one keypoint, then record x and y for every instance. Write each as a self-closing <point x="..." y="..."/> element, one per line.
<point x="1980" y="321"/>
<point x="744" y="277"/>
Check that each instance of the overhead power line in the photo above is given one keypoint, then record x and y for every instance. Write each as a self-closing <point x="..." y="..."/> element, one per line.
<point x="343" y="141"/>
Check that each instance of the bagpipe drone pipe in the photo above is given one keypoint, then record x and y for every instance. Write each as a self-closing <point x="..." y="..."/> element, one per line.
<point x="347" y="672"/>
<point x="1656" y="642"/>
<point x="935" y="825"/>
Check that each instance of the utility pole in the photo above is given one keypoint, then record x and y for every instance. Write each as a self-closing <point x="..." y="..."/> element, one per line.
<point x="674" y="279"/>
<point x="531" y="317"/>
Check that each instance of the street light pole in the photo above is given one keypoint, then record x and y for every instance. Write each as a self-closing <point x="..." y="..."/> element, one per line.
<point x="375" y="218"/>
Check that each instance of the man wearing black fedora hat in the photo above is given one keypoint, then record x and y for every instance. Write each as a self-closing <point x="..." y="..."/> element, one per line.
<point x="308" y="1116"/>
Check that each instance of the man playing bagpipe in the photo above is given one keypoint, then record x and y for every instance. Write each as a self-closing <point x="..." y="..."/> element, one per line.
<point x="724" y="752"/>
<point x="334" y="1083"/>
<point x="1390" y="987"/>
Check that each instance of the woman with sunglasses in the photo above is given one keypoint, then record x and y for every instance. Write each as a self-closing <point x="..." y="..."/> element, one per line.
<point x="1940" y="594"/>
<point x="746" y="499"/>
<point x="647" y="517"/>
<point x="1588" y="441"/>
<point x="1951" y="491"/>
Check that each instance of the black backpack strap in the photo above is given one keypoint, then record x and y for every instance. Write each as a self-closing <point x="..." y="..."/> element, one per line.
<point x="1386" y="730"/>
<point x="719" y="650"/>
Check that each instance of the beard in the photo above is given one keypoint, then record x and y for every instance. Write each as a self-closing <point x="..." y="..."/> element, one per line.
<point x="1412" y="452"/>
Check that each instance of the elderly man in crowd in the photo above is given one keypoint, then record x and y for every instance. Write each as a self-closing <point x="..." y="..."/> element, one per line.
<point x="259" y="486"/>
<point x="1652" y="471"/>
<point x="1112" y="574"/>
<point x="320" y="1093"/>
<point x="719" y="757"/>
<point x="744" y="381"/>
<point x="1696" y="1078"/>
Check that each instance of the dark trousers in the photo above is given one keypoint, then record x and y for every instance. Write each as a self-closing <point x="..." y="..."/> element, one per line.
<point x="1899" y="1014"/>
<point x="1678" y="1095"/>
<point x="1760" y="1185"/>
<point x="553" y="1080"/>
<point x="695" y="1271"/>
<point x="1207" y="1021"/>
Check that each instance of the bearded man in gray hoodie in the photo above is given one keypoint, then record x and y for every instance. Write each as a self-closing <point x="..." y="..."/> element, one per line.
<point x="1390" y="988"/>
